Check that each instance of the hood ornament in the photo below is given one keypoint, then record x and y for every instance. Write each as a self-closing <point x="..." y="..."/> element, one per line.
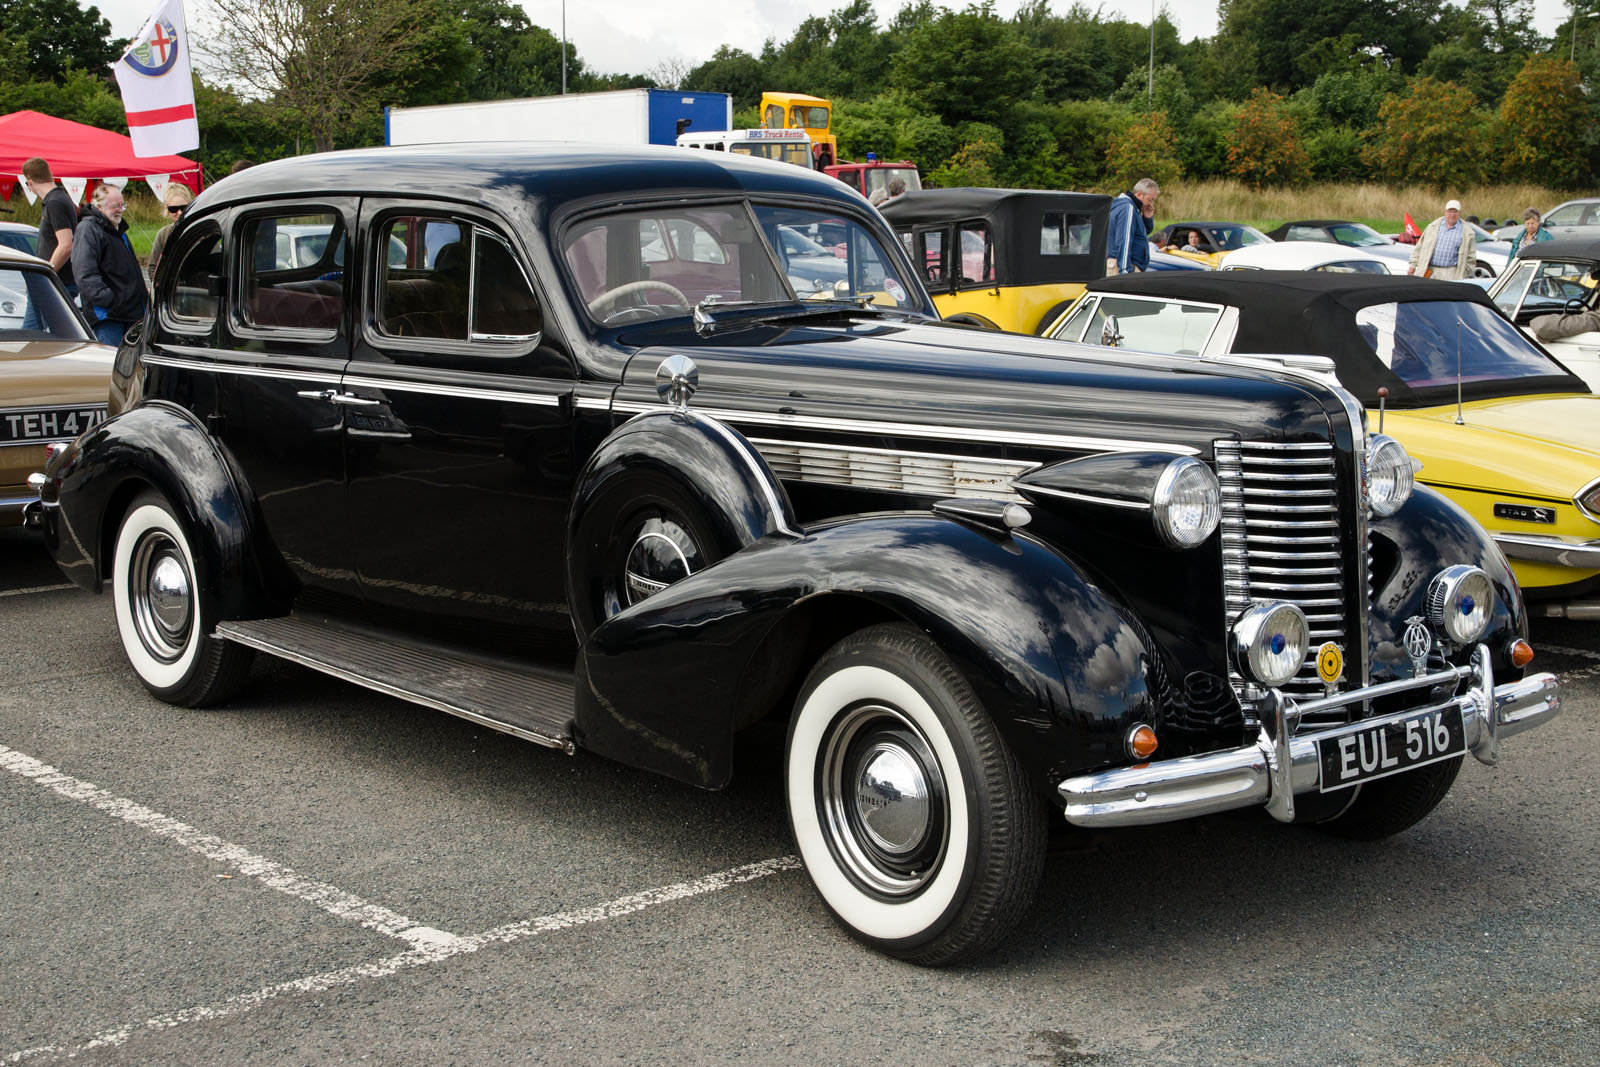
<point x="1418" y="641"/>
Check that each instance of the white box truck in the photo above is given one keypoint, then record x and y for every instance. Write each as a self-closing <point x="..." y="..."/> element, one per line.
<point x="627" y="116"/>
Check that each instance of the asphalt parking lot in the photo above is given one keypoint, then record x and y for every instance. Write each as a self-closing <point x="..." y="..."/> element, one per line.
<point x="317" y="874"/>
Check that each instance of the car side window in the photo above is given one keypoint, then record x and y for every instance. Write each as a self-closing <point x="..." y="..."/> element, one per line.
<point x="1307" y="233"/>
<point x="929" y="255"/>
<point x="294" y="271"/>
<point x="447" y="279"/>
<point x="1565" y="215"/>
<point x="977" y="253"/>
<point x="190" y="302"/>
<point x="1065" y="234"/>
<point x="1073" y="329"/>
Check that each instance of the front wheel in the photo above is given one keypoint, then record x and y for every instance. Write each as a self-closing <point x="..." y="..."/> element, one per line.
<point x="911" y="814"/>
<point x="155" y="587"/>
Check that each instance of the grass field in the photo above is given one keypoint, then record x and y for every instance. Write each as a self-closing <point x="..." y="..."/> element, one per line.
<point x="1381" y="207"/>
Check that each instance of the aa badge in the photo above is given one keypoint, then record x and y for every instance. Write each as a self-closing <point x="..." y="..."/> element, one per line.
<point x="1330" y="665"/>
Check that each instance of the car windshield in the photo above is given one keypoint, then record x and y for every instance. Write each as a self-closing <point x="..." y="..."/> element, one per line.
<point x="658" y="263"/>
<point x="1353" y="266"/>
<point x="32" y="308"/>
<point x="1357" y="235"/>
<point x="1428" y="342"/>
<point x="1144" y="325"/>
<point x="1233" y="235"/>
<point x="880" y="177"/>
<point x="1545" y="287"/>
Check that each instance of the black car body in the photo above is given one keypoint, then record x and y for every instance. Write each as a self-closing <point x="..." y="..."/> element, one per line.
<point x="978" y="576"/>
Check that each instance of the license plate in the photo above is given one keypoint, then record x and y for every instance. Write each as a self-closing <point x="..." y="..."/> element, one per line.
<point x="48" y="424"/>
<point x="1390" y="747"/>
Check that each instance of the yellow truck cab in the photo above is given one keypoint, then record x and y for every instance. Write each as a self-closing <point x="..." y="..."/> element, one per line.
<point x="1004" y="259"/>
<point x="796" y="111"/>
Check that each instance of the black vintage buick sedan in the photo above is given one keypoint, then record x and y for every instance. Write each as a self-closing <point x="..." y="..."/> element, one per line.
<point x="558" y="440"/>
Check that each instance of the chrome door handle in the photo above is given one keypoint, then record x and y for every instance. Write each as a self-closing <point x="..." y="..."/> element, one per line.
<point x="333" y="397"/>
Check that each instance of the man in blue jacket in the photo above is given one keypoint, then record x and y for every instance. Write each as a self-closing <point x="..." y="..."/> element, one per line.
<point x="1128" y="244"/>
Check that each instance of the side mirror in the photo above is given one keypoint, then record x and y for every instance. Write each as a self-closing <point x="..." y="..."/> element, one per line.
<point x="1110" y="334"/>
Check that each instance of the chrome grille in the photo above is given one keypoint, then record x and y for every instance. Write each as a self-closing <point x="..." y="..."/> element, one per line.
<point x="1282" y="540"/>
<point x="923" y="473"/>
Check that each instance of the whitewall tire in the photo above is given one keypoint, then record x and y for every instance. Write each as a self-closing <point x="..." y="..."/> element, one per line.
<point x="910" y="813"/>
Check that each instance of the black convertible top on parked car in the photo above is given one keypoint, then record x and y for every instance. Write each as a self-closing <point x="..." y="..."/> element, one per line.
<point x="561" y="440"/>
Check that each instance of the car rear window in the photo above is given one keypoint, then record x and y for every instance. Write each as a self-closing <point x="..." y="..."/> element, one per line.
<point x="1430" y="342"/>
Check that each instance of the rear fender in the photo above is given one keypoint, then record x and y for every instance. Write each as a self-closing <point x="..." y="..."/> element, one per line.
<point x="162" y="447"/>
<point x="1062" y="669"/>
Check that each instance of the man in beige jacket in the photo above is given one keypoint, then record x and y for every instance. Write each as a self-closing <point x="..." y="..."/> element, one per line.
<point x="1445" y="249"/>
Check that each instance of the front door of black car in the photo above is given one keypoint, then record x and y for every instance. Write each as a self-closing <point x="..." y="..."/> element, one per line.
<point x="460" y="451"/>
<point x="282" y="412"/>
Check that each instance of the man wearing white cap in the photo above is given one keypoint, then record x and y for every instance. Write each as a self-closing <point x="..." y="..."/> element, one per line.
<point x="1445" y="249"/>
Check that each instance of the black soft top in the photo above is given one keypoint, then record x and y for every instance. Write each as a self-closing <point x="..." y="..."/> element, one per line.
<point x="1313" y="312"/>
<point x="1573" y="248"/>
<point x="1015" y="217"/>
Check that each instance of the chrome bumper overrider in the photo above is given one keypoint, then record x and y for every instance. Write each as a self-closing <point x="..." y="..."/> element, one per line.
<point x="1282" y="763"/>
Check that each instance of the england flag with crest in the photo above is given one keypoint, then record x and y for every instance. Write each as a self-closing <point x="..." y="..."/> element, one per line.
<point x="157" y="90"/>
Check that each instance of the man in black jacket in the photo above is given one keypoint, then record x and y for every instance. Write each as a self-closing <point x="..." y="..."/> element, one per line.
<point x="109" y="279"/>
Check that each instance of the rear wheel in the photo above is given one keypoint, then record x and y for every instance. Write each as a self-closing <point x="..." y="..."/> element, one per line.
<point x="1389" y="805"/>
<point x="155" y="588"/>
<point x="912" y="816"/>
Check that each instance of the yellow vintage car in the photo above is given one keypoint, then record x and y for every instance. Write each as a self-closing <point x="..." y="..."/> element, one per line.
<point x="1003" y="259"/>
<point x="54" y="376"/>
<point x="1499" y="426"/>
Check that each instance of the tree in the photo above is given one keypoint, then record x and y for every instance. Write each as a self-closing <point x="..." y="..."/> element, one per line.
<point x="58" y="36"/>
<point x="972" y="166"/>
<point x="511" y="57"/>
<point x="1283" y="32"/>
<point x="1265" y="148"/>
<point x="965" y="65"/>
<point x="321" y="62"/>
<point x="1542" y="124"/>
<point x="1431" y="135"/>
<point x="732" y="71"/>
<point x="1145" y="149"/>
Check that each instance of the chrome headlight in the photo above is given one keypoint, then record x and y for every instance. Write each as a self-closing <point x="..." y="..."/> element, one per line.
<point x="1187" y="503"/>
<point x="1270" y="642"/>
<point x="1460" y="601"/>
<point x="1389" y="476"/>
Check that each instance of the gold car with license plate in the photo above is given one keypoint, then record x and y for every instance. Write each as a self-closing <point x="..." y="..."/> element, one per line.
<point x="54" y="376"/>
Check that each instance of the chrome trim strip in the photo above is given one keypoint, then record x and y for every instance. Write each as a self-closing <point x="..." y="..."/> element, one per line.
<point x="40" y="442"/>
<point x="268" y="647"/>
<point x="762" y="473"/>
<point x="239" y="368"/>
<point x="916" y="429"/>
<point x="408" y="385"/>
<point x="1577" y="499"/>
<point x="1535" y="549"/>
<point x="1138" y="505"/>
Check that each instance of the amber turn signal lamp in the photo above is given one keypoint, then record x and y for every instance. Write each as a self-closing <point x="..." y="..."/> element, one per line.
<point x="1142" y="741"/>
<point x="1521" y="653"/>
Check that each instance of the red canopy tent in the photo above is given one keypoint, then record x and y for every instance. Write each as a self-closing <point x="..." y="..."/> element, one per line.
<point x="74" y="150"/>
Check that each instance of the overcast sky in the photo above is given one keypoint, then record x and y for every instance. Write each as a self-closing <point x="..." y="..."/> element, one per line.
<point x="634" y="35"/>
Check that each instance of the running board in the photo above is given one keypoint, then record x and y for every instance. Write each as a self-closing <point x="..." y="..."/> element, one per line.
<point x="535" y="705"/>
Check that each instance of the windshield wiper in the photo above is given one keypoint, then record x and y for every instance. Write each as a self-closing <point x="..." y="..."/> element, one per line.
<point x="706" y="321"/>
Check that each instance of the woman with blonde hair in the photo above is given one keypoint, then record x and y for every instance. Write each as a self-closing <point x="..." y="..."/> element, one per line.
<point x="177" y="198"/>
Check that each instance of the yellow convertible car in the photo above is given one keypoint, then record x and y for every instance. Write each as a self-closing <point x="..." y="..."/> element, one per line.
<point x="1499" y="426"/>
<point x="54" y="376"/>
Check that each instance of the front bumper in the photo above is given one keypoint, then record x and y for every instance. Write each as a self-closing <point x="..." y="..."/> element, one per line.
<point x="1282" y="763"/>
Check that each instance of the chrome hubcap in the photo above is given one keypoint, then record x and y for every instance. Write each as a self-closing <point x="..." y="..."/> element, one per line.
<point x="662" y="553"/>
<point x="882" y="799"/>
<point x="161" y="596"/>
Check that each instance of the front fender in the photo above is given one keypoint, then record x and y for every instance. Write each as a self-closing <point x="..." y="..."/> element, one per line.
<point x="1424" y="537"/>
<point x="1063" y="670"/>
<point x="162" y="447"/>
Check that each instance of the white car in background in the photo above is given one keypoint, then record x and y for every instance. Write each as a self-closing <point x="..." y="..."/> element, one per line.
<point x="1574" y="218"/>
<point x="1310" y="255"/>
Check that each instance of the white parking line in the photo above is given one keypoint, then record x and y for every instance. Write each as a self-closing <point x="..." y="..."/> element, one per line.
<point x="36" y="589"/>
<point x="329" y="898"/>
<point x="422" y="954"/>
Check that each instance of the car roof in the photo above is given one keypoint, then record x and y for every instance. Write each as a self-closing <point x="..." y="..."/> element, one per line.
<point x="1561" y="248"/>
<point x="14" y="257"/>
<point x="1301" y="254"/>
<point x="507" y="174"/>
<point x="1314" y="312"/>
<point x="21" y="227"/>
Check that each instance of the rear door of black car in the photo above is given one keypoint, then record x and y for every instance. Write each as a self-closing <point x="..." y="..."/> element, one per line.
<point x="459" y="449"/>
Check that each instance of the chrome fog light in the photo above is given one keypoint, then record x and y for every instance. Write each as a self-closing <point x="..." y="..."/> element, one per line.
<point x="1270" y="642"/>
<point x="1390" y="477"/>
<point x="1460" y="601"/>
<point x="1187" y="503"/>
